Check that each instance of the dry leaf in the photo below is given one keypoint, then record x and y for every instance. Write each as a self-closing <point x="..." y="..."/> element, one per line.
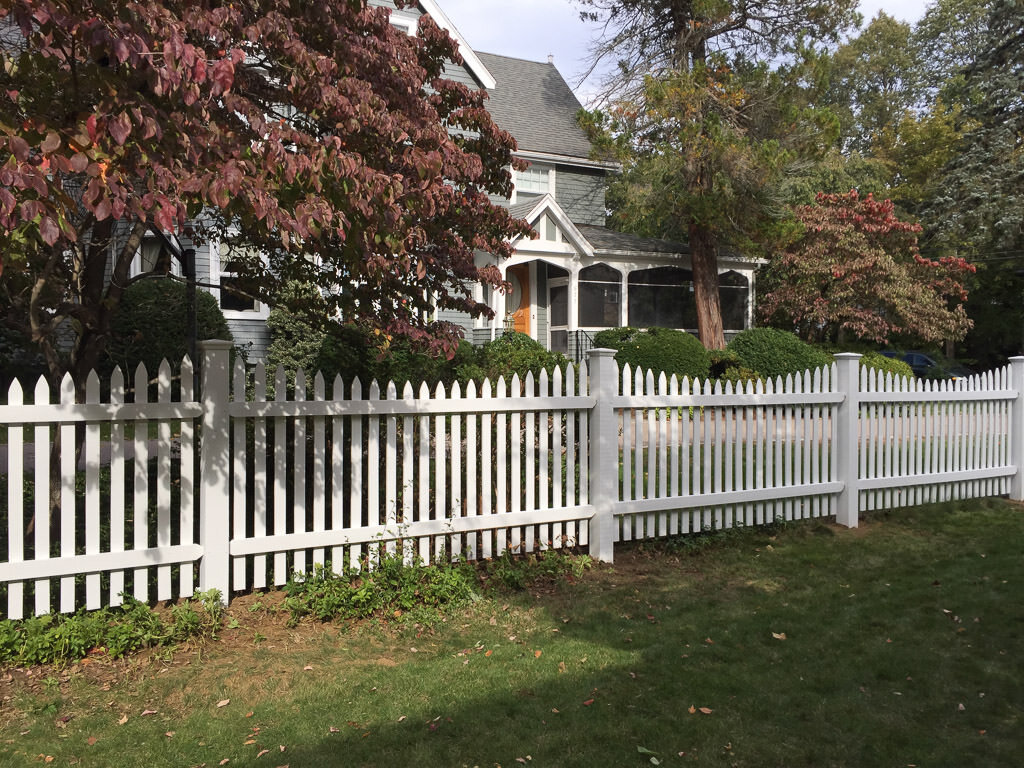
<point x="248" y="742"/>
<point x="588" y="702"/>
<point x="281" y="747"/>
<point x="401" y="718"/>
<point x="705" y="711"/>
<point x="223" y="703"/>
<point x="225" y="761"/>
<point x="692" y="709"/>
<point x="561" y="666"/>
<point x="488" y="653"/>
<point x="332" y="729"/>
<point x="48" y="759"/>
<point x="536" y="654"/>
<point x="147" y="712"/>
<point x="779" y="635"/>
<point x="91" y="740"/>
<point x="308" y="668"/>
<point x="123" y="720"/>
<point x="262" y="752"/>
<point x="170" y="734"/>
<point x="248" y="714"/>
<point x="960" y="707"/>
<point x="553" y="709"/>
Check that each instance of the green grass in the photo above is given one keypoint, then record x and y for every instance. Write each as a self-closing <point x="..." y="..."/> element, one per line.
<point x="895" y="644"/>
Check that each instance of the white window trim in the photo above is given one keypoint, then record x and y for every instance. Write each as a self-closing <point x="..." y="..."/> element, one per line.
<point x="261" y="310"/>
<point x="534" y="195"/>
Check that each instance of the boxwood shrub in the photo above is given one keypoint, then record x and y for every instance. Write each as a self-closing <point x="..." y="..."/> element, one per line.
<point x="151" y="325"/>
<point x="888" y="364"/>
<point x="657" y="349"/>
<point x="773" y="352"/>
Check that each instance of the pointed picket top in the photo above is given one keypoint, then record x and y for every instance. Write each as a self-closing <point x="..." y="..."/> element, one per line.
<point x="319" y="388"/>
<point x="15" y="394"/>
<point x="569" y="383"/>
<point x="163" y="379"/>
<point x="501" y="386"/>
<point x="627" y="380"/>
<point x="556" y="381"/>
<point x="356" y="389"/>
<point x="259" y="383"/>
<point x="439" y="393"/>
<point x="374" y="391"/>
<point x="238" y="385"/>
<point x="41" y="395"/>
<point x="485" y="390"/>
<point x="67" y="390"/>
<point x="542" y="380"/>
<point x="239" y="364"/>
<point x="583" y="381"/>
<point x="338" y="388"/>
<point x="662" y="383"/>
<point x="456" y="391"/>
<point x="92" y="387"/>
<point x="530" y="384"/>
<point x="638" y="381"/>
<point x="141" y="384"/>
<point x="280" y="384"/>
<point x="187" y="392"/>
<point x="407" y="392"/>
<point x="471" y="390"/>
<point x="516" y="385"/>
<point x="788" y="384"/>
<point x="424" y="391"/>
<point x="392" y="391"/>
<point x="300" y="385"/>
<point x="717" y="386"/>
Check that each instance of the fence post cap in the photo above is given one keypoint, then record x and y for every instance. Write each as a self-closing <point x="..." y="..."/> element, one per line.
<point x="216" y="344"/>
<point x="847" y="355"/>
<point x="601" y="352"/>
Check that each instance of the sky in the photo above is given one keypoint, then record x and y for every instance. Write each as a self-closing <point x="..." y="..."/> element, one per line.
<point x="535" y="29"/>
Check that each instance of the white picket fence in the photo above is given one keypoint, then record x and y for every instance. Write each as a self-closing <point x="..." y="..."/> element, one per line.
<point x="236" y="491"/>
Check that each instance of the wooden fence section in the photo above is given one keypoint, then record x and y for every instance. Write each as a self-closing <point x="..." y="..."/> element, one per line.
<point x="699" y="456"/>
<point x="255" y="479"/>
<point x="429" y="473"/>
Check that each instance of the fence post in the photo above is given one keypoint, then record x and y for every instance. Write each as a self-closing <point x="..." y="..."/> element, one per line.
<point x="846" y="438"/>
<point x="604" y="452"/>
<point x="1017" y="428"/>
<point x="214" y="467"/>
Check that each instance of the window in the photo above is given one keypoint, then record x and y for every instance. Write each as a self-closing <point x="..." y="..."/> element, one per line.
<point x="733" y="291"/>
<point x="600" y="287"/>
<point x="534" y="181"/>
<point x="232" y="296"/>
<point x="662" y="297"/>
<point x="229" y="269"/>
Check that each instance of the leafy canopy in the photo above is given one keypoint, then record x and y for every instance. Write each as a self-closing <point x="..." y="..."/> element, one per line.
<point x="314" y="139"/>
<point x="857" y="271"/>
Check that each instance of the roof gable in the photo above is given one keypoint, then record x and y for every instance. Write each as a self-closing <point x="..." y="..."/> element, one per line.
<point x="536" y="210"/>
<point x="469" y="56"/>
<point x="533" y="102"/>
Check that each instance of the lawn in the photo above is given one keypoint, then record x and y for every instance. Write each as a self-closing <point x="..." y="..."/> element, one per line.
<point x="895" y="644"/>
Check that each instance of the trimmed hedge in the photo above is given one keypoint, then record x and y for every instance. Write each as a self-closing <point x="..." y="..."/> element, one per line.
<point x="888" y="364"/>
<point x="657" y="349"/>
<point x="151" y="325"/>
<point x="772" y="352"/>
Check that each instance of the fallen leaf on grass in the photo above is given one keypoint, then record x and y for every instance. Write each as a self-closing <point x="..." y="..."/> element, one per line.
<point x="488" y="653"/>
<point x="561" y="667"/>
<point x="91" y="740"/>
<point x="334" y="730"/>
<point x="262" y="752"/>
<point x="247" y="742"/>
<point x="223" y="703"/>
<point x="170" y="734"/>
<point x="123" y="720"/>
<point x="588" y="702"/>
<point x="308" y="668"/>
<point x="401" y="718"/>
<point x="249" y="714"/>
<point x="147" y="712"/>
<point x="225" y="761"/>
<point x="779" y="635"/>
<point x="705" y="710"/>
<point x="536" y="654"/>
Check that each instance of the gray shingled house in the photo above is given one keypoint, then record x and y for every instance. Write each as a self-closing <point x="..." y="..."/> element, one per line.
<point x="576" y="277"/>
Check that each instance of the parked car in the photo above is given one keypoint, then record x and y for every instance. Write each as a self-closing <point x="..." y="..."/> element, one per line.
<point x="926" y="367"/>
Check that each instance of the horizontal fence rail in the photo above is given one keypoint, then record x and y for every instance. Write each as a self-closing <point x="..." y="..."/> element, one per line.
<point x="146" y="489"/>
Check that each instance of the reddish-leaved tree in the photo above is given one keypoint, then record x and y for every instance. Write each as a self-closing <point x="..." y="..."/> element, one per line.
<point x="320" y="142"/>
<point x="857" y="272"/>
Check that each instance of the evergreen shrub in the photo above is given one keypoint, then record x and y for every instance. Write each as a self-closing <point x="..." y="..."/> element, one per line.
<point x="151" y="325"/>
<point x="657" y="349"/>
<point x="773" y="352"/>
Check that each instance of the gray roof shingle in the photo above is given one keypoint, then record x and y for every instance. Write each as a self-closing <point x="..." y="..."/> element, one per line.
<point x="533" y="103"/>
<point x="604" y="239"/>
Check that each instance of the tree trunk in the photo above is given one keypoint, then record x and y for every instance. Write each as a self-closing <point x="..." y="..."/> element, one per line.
<point x="704" y="259"/>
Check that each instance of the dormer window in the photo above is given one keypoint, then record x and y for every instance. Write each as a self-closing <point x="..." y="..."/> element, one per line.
<point x="535" y="181"/>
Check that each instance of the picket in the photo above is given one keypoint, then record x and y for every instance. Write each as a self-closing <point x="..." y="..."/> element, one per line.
<point x="312" y="479"/>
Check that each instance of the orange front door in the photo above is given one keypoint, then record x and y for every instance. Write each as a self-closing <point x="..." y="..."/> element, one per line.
<point x="517" y="302"/>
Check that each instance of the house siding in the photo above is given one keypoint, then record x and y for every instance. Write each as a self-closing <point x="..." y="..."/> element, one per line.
<point x="580" y="193"/>
<point x="252" y="337"/>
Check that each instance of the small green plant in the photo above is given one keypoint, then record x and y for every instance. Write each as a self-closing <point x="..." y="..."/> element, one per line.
<point x="390" y="587"/>
<point x="772" y="352"/>
<point x="513" y="573"/>
<point x="116" y="632"/>
<point x="657" y="349"/>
